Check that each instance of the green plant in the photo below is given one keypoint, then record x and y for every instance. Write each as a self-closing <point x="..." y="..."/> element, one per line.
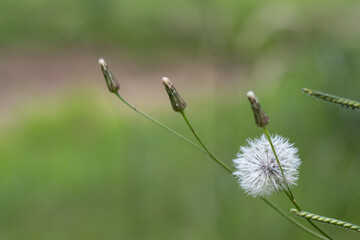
<point x="280" y="180"/>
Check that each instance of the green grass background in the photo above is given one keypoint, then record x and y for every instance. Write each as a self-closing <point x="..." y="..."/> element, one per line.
<point x="89" y="168"/>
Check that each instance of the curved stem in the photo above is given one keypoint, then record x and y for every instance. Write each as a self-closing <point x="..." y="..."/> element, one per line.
<point x="308" y="220"/>
<point x="203" y="145"/>
<point x="160" y="124"/>
<point x="278" y="162"/>
<point x="293" y="221"/>
<point x="288" y="192"/>
<point x="229" y="170"/>
<point x="207" y="152"/>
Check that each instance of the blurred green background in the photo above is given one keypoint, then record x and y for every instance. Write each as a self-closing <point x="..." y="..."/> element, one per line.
<point x="75" y="163"/>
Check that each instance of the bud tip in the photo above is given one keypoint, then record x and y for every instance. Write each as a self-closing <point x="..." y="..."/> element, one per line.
<point x="111" y="82"/>
<point x="177" y="103"/>
<point x="102" y="62"/>
<point x="307" y="90"/>
<point x="250" y="94"/>
<point x="165" y="80"/>
<point x="261" y="119"/>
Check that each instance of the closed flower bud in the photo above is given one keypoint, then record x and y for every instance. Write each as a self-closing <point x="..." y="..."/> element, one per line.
<point x="177" y="103"/>
<point x="261" y="119"/>
<point x="111" y="81"/>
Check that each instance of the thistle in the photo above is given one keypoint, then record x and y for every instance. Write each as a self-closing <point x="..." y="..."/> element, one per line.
<point x="258" y="171"/>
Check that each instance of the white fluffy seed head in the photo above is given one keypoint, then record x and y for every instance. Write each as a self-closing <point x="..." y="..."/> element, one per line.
<point x="257" y="169"/>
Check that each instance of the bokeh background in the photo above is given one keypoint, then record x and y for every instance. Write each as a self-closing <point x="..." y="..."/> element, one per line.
<point x="76" y="163"/>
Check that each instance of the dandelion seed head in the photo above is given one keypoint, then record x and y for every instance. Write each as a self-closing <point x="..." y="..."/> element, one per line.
<point x="257" y="169"/>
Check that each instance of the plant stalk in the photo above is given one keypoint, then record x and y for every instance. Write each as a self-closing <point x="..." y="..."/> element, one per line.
<point x="288" y="192"/>
<point x="207" y="152"/>
<point x="265" y="200"/>
<point x="293" y="221"/>
<point x="203" y="145"/>
<point x="160" y="124"/>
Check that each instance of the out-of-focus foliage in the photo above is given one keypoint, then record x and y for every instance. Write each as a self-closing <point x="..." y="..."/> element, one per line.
<point x="87" y="173"/>
<point x="82" y="169"/>
<point x="228" y="27"/>
<point x="265" y="39"/>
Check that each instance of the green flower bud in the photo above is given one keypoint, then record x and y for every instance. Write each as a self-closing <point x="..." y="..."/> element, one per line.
<point x="261" y="119"/>
<point x="177" y="103"/>
<point x="111" y="81"/>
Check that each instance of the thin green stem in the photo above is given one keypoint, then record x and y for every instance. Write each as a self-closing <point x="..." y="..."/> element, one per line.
<point x="278" y="162"/>
<point x="319" y="229"/>
<point x="227" y="168"/>
<point x="207" y="152"/>
<point x="308" y="220"/>
<point x="292" y="220"/>
<point x="288" y="192"/>
<point x="160" y="124"/>
<point x="203" y="145"/>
